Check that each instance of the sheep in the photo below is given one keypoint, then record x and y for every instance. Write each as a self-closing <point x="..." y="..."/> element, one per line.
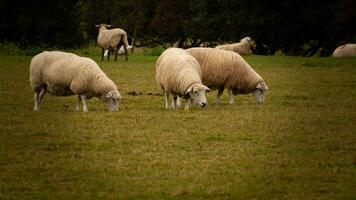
<point x="225" y="69"/>
<point x="179" y="74"/>
<point x="111" y="39"/>
<point x="242" y="48"/>
<point x="346" y="50"/>
<point x="65" y="74"/>
<point x="120" y="51"/>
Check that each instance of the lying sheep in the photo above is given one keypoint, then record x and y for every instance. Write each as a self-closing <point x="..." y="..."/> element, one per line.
<point x="346" y="50"/>
<point x="226" y="69"/>
<point x="242" y="48"/>
<point x="65" y="74"/>
<point x="179" y="74"/>
<point x="111" y="39"/>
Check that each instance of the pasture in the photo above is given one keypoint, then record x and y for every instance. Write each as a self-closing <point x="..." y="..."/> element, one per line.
<point x="301" y="144"/>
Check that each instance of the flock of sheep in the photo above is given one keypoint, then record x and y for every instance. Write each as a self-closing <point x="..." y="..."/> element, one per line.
<point x="181" y="73"/>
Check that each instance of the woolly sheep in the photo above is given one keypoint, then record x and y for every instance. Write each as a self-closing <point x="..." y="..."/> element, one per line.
<point x="346" y="50"/>
<point x="225" y="69"/>
<point x="65" y="74"/>
<point x="242" y="48"/>
<point x="179" y="74"/>
<point x="111" y="39"/>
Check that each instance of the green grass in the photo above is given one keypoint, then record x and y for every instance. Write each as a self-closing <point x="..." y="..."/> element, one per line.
<point x="299" y="145"/>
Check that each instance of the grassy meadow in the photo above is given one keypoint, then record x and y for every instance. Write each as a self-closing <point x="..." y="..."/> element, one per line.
<point x="301" y="144"/>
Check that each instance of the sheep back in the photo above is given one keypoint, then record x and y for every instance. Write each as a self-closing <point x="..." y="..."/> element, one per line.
<point x="242" y="48"/>
<point x="346" y="50"/>
<point x="176" y="70"/>
<point x="108" y="39"/>
<point x="225" y="69"/>
<point x="65" y="74"/>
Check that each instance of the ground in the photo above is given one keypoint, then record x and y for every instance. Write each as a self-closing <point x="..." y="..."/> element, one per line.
<point x="299" y="145"/>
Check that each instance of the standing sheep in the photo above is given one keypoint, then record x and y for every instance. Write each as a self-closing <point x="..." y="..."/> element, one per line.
<point x="65" y="74"/>
<point x="226" y="69"/>
<point x="111" y="39"/>
<point x="179" y="74"/>
<point x="346" y="50"/>
<point x="242" y="48"/>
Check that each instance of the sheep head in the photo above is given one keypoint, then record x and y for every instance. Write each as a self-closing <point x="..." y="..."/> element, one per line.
<point x="260" y="92"/>
<point x="112" y="100"/>
<point x="196" y="93"/>
<point x="103" y="26"/>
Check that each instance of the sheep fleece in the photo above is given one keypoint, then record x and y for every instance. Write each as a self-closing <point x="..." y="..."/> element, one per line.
<point x="225" y="69"/>
<point x="66" y="74"/>
<point x="111" y="38"/>
<point x="346" y="50"/>
<point x="176" y="71"/>
<point x="242" y="48"/>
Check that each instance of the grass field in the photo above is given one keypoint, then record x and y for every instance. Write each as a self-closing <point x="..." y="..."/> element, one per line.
<point x="301" y="144"/>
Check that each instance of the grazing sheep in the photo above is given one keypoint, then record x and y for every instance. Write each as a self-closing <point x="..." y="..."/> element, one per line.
<point x="226" y="69"/>
<point x="179" y="74"/>
<point x="242" y="48"/>
<point x="65" y="74"/>
<point x="346" y="50"/>
<point x="111" y="39"/>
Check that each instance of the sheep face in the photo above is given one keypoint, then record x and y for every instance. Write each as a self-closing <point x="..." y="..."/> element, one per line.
<point x="112" y="99"/>
<point x="260" y="92"/>
<point x="196" y="93"/>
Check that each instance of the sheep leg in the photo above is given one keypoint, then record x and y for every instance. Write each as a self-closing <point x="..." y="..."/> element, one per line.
<point x="231" y="97"/>
<point x="40" y="96"/>
<point x="115" y="53"/>
<point x="109" y="54"/>
<point x="102" y="54"/>
<point x="166" y="98"/>
<point x="174" y="102"/>
<point x="78" y="103"/>
<point x="83" y="98"/>
<point x="125" y="48"/>
<point x="35" y="99"/>
<point x="178" y="101"/>
<point x="218" y="95"/>
<point x="187" y="103"/>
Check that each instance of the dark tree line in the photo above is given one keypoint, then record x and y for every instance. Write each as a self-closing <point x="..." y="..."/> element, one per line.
<point x="298" y="27"/>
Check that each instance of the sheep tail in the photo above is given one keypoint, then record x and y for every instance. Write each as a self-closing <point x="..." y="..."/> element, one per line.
<point x="124" y="39"/>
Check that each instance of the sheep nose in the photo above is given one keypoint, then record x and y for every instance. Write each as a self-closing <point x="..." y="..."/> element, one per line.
<point x="203" y="104"/>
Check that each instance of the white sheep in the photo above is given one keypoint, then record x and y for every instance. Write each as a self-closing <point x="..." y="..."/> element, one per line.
<point x="226" y="69"/>
<point x="111" y="39"/>
<point x="120" y="51"/>
<point x="179" y="74"/>
<point x="346" y="50"/>
<point x="242" y="48"/>
<point x="65" y="74"/>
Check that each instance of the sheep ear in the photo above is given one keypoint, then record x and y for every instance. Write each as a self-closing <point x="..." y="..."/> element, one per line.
<point x="107" y="25"/>
<point x="206" y="88"/>
<point x="97" y="26"/>
<point x="109" y="95"/>
<point x="259" y="86"/>
<point x="189" y="89"/>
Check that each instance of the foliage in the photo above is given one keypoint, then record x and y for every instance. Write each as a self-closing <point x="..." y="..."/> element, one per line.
<point x="287" y="26"/>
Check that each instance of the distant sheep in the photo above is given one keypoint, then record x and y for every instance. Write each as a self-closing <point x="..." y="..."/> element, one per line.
<point x="346" y="50"/>
<point x="120" y="51"/>
<point x="65" y="74"/>
<point x="226" y="69"/>
<point x="179" y="74"/>
<point x="111" y="39"/>
<point x="242" y="48"/>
